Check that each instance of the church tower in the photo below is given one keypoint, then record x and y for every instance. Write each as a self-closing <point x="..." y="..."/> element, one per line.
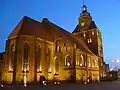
<point x="91" y="35"/>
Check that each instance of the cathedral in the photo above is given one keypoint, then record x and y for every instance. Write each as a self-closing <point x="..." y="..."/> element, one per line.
<point x="37" y="51"/>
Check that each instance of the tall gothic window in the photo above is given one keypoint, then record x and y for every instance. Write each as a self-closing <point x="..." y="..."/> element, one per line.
<point x="65" y="47"/>
<point x="48" y="59"/>
<point x="56" y="66"/>
<point x="12" y="58"/>
<point x="93" y="63"/>
<point x="81" y="60"/>
<point x="25" y="59"/>
<point x="89" y="62"/>
<point x="78" y="59"/>
<point x="38" y="57"/>
<point x="56" y="46"/>
<point x="96" y="64"/>
<point x="68" y="61"/>
<point x="58" y="49"/>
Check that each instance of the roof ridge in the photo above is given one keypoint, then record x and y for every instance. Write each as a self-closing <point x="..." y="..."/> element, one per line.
<point x="18" y="27"/>
<point x="72" y="36"/>
<point x="58" y="32"/>
<point x="31" y="19"/>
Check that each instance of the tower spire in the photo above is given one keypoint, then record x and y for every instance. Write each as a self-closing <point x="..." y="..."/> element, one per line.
<point x="84" y="8"/>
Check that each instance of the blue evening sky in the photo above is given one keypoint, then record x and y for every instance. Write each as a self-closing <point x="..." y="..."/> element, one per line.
<point x="65" y="13"/>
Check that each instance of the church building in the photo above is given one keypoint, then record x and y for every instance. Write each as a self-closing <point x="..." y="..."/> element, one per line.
<point x="42" y="49"/>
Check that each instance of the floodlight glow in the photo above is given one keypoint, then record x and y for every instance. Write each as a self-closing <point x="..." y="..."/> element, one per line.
<point x="49" y="70"/>
<point x="55" y="82"/>
<point x="58" y="82"/>
<point x="25" y="78"/>
<point x="44" y="82"/>
<point x="68" y="64"/>
<point x="1" y="85"/>
<point x="80" y="64"/>
<point x="85" y="82"/>
<point x="25" y="85"/>
<point x="25" y="81"/>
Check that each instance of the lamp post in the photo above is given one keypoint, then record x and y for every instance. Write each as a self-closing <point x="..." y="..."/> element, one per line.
<point x="115" y="64"/>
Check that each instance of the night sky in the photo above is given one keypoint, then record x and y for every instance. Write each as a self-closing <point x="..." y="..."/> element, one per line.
<point x="65" y="13"/>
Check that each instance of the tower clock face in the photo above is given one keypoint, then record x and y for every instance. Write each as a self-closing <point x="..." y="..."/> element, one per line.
<point x="82" y="24"/>
<point x="85" y="22"/>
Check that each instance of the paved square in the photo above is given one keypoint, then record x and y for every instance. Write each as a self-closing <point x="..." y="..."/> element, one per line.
<point x="68" y="86"/>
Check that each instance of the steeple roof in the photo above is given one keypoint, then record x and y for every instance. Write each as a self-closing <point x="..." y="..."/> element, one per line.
<point x="93" y="25"/>
<point x="84" y="10"/>
<point x="77" y="29"/>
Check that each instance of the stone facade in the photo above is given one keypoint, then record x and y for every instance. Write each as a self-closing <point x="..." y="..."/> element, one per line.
<point x="42" y="49"/>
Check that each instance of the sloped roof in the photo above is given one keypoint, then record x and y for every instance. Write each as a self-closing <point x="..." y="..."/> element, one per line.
<point x="93" y="25"/>
<point x="28" y="26"/>
<point x="46" y="30"/>
<point x="58" y="31"/>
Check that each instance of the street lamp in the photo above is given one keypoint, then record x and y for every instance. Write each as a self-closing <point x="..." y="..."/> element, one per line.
<point x="118" y="60"/>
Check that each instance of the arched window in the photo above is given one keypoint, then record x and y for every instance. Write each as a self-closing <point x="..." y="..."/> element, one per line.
<point x="38" y="57"/>
<point x="81" y="60"/>
<point x="96" y="64"/>
<point x="65" y="47"/>
<point x="81" y="34"/>
<point x="89" y="62"/>
<point x="12" y="58"/>
<point x="68" y="61"/>
<point x="25" y="59"/>
<point x="49" y="59"/>
<point x="78" y="59"/>
<point x="56" y="46"/>
<point x="93" y="33"/>
<point x="56" y="65"/>
<point x="58" y="49"/>
<point x="93" y="63"/>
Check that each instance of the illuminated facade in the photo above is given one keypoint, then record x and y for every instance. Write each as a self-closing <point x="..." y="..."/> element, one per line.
<point x="42" y="49"/>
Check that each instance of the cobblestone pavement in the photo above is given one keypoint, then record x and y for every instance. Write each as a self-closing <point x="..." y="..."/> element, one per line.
<point x="67" y="86"/>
